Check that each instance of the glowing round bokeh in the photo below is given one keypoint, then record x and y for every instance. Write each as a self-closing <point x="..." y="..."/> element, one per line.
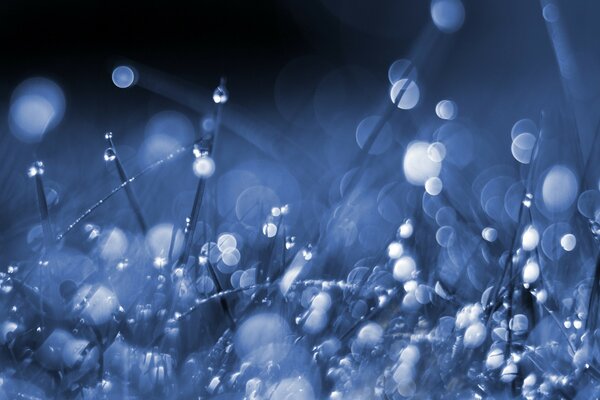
<point x="436" y="152"/>
<point x="445" y="236"/>
<point x="530" y="238"/>
<point x="446" y="109"/>
<point x="402" y="69"/>
<point x="524" y="125"/>
<point x="365" y="129"/>
<point x="447" y="15"/>
<point x="113" y="244"/>
<point x="522" y="147"/>
<point x="552" y="240"/>
<point x="551" y="12"/>
<point x="164" y="133"/>
<point x="559" y="189"/>
<point x="588" y="204"/>
<point x="204" y="167"/>
<point x="158" y="240"/>
<point x="434" y="186"/>
<point x="252" y="205"/>
<point x="568" y="242"/>
<point x="36" y="106"/>
<point x="489" y="234"/>
<point x="262" y="338"/>
<point x="409" y="92"/>
<point x="226" y="241"/>
<point x="123" y="76"/>
<point x="417" y="165"/>
<point x="458" y="140"/>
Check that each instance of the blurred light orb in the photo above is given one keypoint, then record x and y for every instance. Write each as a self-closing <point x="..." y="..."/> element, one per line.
<point x="409" y="92"/>
<point x="410" y="354"/>
<point x="247" y="278"/>
<point x="489" y="234"/>
<point x="365" y="129"/>
<point x="226" y="241"/>
<point x="269" y="230"/>
<point x="551" y="12"/>
<point x="522" y="147"/>
<point x="156" y="147"/>
<point x="123" y="76"/>
<point x="447" y="15"/>
<point x="495" y="358"/>
<point x="588" y="204"/>
<point x="205" y="285"/>
<point x="370" y="335"/>
<point x="445" y="236"/>
<point x="208" y="124"/>
<point x="475" y="335"/>
<point x="231" y="257"/>
<point x="531" y="272"/>
<point x="524" y="125"/>
<point x="509" y="373"/>
<point x="519" y="324"/>
<point x="446" y="109"/>
<point x="100" y="303"/>
<point x="36" y="106"/>
<point x="406" y="230"/>
<point x="315" y="321"/>
<point x="559" y="189"/>
<point x="158" y="240"/>
<point x="204" y="167"/>
<point x="568" y="242"/>
<point x="417" y="165"/>
<point x="436" y="152"/>
<point x="404" y="268"/>
<point x="530" y="238"/>
<point x="541" y="296"/>
<point x="402" y="69"/>
<point x="261" y="337"/>
<point x="114" y="245"/>
<point x="395" y="250"/>
<point x="322" y="301"/>
<point x="434" y="186"/>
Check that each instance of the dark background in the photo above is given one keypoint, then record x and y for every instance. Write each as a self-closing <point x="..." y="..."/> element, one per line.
<point x="499" y="67"/>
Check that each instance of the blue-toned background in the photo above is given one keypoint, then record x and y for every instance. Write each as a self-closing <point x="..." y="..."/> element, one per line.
<point x="490" y="162"/>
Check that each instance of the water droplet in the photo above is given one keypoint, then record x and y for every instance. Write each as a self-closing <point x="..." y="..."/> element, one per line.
<point x="531" y="272"/>
<point x="509" y="373"/>
<point x="495" y="358"/>
<point x="395" y="250"/>
<point x="568" y="242"/>
<point x="409" y="92"/>
<point x="109" y="154"/>
<point x="530" y="238"/>
<point x="404" y="268"/>
<point x="406" y="230"/>
<point x="269" y="230"/>
<point x="37" y="168"/>
<point x="475" y="335"/>
<point x="489" y="234"/>
<point x="204" y="167"/>
<point x="290" y="241"/>
<point x="220" y="95"/>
